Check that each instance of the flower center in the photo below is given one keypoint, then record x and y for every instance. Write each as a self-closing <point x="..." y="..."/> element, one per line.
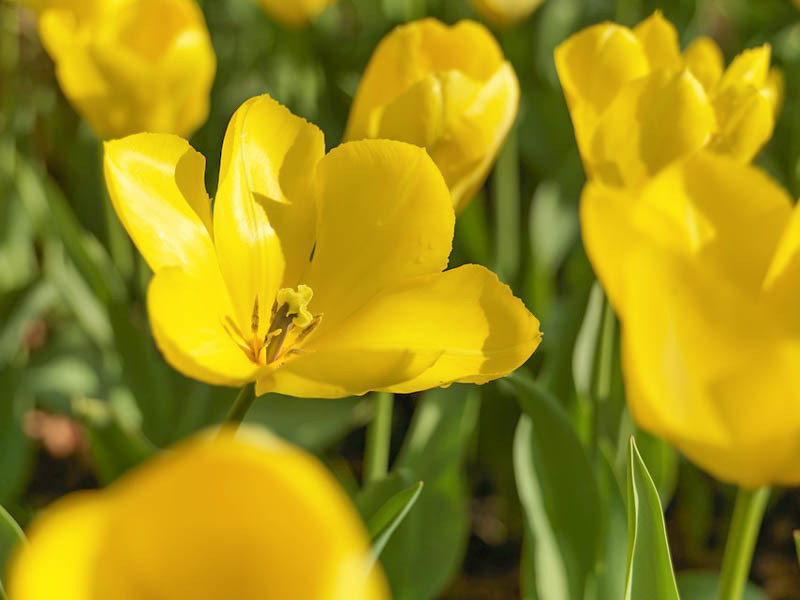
<point x="290" y="324"/>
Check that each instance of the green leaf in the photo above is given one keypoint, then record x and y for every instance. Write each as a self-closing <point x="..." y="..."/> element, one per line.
<point x="649" y="573"/>
<point x="10" y="537"/>
<point x="662" y="461"/>
<point x="559" y="496"/>
<point x="386" y="520"/>
<point x="426" y="550"/>
<point x="702" y="585"/>
<point x="610" y="578"/>
<point x="796" y="535"/>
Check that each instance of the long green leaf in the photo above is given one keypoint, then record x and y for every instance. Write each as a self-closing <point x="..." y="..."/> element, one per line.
<point x="649" y="572"/>
<point x="10" y="537"/>
<point x="386" y="521"/>
<point x="702" y="585"/>
<point x="559" y="495"/>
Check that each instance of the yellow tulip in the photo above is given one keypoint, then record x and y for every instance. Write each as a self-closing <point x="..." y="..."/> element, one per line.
<point x="294" y="13"/>
<point x="703" y="268"/>
<point x="637" y="104"/>
<point x="504" y="13"/>
<point x="446" y="89"/>
<point x="241" y="516"/>
<point x="317" y="275"/>
<point x="131" y="65"/>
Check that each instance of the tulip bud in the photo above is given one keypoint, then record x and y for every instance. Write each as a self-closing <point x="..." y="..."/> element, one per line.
<point x="131" y="65"/>
<point x="505" y="13"/>
<point x="447" y="89"/>
<point x="294" y="13"/>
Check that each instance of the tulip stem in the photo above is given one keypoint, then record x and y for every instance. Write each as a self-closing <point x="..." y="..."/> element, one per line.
<point x="244" y="400"/>
<point x="748" y="513"/>
<point x="379" y="438"/>
<point x="505" y="184"/>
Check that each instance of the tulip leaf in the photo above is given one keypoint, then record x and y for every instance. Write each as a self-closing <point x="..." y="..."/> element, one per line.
<point x="426" y="550"/>
<point x="610" y="578"/>
<point x="701" y="585"/>
<point x="384" y="522"/>
<point x="649" y="571"/>
<point x="559" y="496"/>
<point x="117" y="443"/>
<point x="796" y="535"/>
<point x="10" y="537"/>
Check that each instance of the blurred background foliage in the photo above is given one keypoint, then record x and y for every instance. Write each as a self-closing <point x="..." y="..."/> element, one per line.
<point x="84" y="394"/>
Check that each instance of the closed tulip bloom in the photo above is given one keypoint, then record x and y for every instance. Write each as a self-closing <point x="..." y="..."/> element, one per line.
<point x="316" y="275"/>
<point x="637" y="103"/>
<point x="703" y="269"/>
<point x="504" y="13"/>
<point x="239" y="516"/>
<point x="131" y="65"/>
<point x="446" y="89"/>
<point x="294" y="13"/>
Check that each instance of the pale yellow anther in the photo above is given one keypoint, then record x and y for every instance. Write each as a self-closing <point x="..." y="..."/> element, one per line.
<point x="296" y="302"/>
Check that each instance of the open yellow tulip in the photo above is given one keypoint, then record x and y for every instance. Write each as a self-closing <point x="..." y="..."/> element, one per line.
<point x="317" y="275"/>
<point x="504" y="13"/>
<point x="294" y="13"/>
<point x="131" y="65"/>
<point x="242" y="516"/>
<point x="703" y="268"/>
<point x="637" y="103"/>
<point x="446" y="89"/>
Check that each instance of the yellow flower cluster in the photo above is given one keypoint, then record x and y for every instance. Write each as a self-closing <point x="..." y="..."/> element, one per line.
<point x="698" y="251"/>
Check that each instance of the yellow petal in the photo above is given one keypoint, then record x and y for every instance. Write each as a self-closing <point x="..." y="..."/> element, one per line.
<point x="782" y="280"/>
<point x="64" y="543"/>
<point x="282" y="527"/>
<point x="659" y="38"/>
<point x="412" y="52"/>
<point x="248" y="248"/>
<point x="704" y="59"/>
<point x="191" y="320"/>
<point x="295" y="13"/>
<point x="775" y="89"/>
<point x="592" y="66"/>
<point x="504" y="13"/>
<point x="385" y="215"/>
<point x="746" y="118"/>
<point x="651" y="123"/>
<point x="751" y="67"/>
<point x="156" y="184"/>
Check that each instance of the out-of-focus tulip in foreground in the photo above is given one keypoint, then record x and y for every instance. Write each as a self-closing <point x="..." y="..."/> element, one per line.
<point x="131" y="65"/>
<point x="446" y="89"/>
<point x="317" y="275"/>
<point x="242" y="516"/>
<point x="504" y="13"/>
<point x="294" y="13"/>
<point x="637" y="104"/>
<point x="703" y="268"/>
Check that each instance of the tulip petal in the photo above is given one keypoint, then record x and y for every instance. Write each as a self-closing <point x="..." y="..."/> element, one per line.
<point x="156" y="186"/>
<point x="384" y="215"/>
<point x="64" y="543"/>
<point x="659" y="38"/>
<point x="245" y="517"/>
<point x="592" y="66"/>
<point x="651" y="123"/>
<point x="469" y="323"/>
<point x="248" y="247"/>
<point x="191" y="323"/>
<point x="411" y="53"/>
<point x="504" y="13"/>
<point x="746" y="117"/>
<point x="704" y="59"/>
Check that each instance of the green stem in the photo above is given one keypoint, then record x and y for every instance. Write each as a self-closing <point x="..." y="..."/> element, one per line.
<point x="505" y="184"/>
<point x="748" y="513"/>
<point x="240" y="406"/>
<point x="379" y="438"/>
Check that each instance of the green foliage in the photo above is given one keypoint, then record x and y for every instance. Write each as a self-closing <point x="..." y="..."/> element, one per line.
<point x="11" y="536"/>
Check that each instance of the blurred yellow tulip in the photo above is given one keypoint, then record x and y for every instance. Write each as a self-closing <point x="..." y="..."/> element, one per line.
<point x="504" y="13"/>
<point x="446" y="89"/>
<point x="703" y="268"/>
<point x="317" y="275"/>
<point x="637" y="104"/>
<point x="242" y="516"/>
<point x="131" y="65"/>
<point x="294" y="13"/>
